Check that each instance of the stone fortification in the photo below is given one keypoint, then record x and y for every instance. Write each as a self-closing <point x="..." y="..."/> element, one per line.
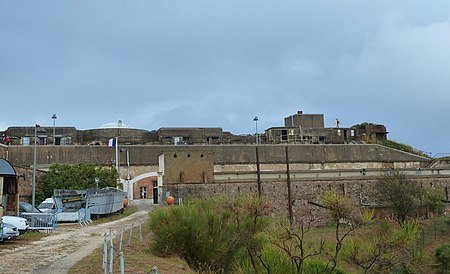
<point x="147" y="155"/>
<point x="360" y="190"/>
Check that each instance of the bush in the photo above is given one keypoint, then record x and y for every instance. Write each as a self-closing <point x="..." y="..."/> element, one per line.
<point x="443" y="256"/>
<point x="274" y="260"/>
<point x="314" y="266"/>
<point x="210" y="235"/>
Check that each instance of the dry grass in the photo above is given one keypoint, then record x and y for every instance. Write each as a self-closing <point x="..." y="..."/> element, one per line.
<point x="137" y="258"/>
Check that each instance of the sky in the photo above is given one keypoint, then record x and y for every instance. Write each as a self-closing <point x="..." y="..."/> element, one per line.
<point x="210" y="63"/>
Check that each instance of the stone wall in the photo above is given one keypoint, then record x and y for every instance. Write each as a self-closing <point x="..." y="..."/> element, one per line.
<point x="25" y="182"/>
<point x="359" y="190"/>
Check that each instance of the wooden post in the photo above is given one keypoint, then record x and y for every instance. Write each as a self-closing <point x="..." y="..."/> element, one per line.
<point x="258" y="173"/>
<point x="288" y="174"/>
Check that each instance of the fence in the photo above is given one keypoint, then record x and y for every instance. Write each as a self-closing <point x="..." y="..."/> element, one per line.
<point x="434" y="231"/>
<point x="109" y="249"/>
<point x="41" y="221"/>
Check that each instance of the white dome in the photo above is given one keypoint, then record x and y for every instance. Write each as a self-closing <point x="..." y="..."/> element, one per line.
<point x="118" y="124"/>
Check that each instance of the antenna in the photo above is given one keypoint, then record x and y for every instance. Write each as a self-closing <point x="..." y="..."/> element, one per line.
<point x="338" y="122"/>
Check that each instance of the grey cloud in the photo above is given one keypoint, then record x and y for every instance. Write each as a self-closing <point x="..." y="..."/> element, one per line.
<point x="219" y="63"/>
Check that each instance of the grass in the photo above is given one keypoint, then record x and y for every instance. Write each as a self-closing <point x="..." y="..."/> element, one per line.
<point x="138" y="259"/>
<point x="116" y="216"/>
<point x="136" y="256"/>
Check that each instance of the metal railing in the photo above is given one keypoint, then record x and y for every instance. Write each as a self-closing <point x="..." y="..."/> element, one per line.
<point x="311" y="174"/>
<point x="41" y="221"/>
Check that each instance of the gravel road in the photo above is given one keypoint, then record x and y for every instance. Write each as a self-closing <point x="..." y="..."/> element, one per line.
<point x="67" y="245"/>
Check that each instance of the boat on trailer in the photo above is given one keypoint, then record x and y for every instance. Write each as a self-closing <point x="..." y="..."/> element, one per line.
<point x="80" y="205"/>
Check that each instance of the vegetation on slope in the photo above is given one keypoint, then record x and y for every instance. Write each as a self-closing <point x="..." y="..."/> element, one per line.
<point x="402" y="147"/>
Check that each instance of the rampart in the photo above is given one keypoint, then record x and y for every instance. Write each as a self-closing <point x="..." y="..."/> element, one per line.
<point x="305" y="193"/>
<point x="313" y="156"/>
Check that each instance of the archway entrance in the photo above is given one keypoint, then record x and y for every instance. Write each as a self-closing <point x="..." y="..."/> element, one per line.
<point x="152" y="187"/>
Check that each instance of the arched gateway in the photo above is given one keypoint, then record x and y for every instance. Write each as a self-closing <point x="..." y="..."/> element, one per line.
<point x="131" y="187"/>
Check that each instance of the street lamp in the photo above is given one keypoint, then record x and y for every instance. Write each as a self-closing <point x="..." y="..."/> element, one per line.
<point x="256" y="130"/>
<point x="33" y="193"/>
<point x="96" y="179"/>
<point x="128" y="173"/>
<point x="54" y="120"/>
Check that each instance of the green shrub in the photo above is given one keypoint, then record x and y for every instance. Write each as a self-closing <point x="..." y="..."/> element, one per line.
<point x="211" y="235"/>
<point x="443" y="257"/>
<point x="271" y="260"/>
<point x="314" y="266"/>
<point x="274" y="260"/>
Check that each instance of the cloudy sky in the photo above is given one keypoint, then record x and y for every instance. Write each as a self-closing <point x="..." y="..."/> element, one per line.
<point x="214" y="63"/>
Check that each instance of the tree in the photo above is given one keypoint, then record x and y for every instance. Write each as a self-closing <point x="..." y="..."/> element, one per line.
<point x="345" y="217"/>
<point x="81" y="176"/>
<point x="295" y="245"/>
<point x="404" y="196"/>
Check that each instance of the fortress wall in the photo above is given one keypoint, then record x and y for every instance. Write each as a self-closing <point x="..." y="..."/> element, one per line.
<point x="140" y="155"/>
<point x="304" y="191"/>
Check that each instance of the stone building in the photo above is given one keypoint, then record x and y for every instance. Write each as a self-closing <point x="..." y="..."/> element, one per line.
<point x="303" y="128"/>
<point x="188" y="136"/>
<point x="126" y="135"/>
<point x="299" y="128"/>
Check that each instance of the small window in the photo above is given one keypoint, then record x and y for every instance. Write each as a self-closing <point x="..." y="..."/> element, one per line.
<point x="143" y="192"/>
<point x="25" y="141"/>
<point x="177" y="140"/>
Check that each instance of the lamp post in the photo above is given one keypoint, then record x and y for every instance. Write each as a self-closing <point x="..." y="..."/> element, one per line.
<point x="96" y="179"/>
<point x="54" y="120"/>
<point x="33" y="193"/>
<point x="128" y="173"/>
<point x="256" y="130"/>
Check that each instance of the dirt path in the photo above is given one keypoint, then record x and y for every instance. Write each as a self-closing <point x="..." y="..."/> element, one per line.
<point x="63" y="248"/>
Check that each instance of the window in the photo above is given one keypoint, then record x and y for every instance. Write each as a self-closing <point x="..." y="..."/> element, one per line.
<point x="25" y="141"/>
<point x="143" y="192"/>
<point x="177" y="140"/>
<point x="284" y="135"/>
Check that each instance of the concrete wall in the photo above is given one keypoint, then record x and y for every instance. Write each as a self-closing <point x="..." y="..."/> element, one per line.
<point x="191" y="135"/>
<point x="305" y="120"/>
<point x="126" y="135"/>
<point x="144" y="155"/>
<point x="188" y="167"/>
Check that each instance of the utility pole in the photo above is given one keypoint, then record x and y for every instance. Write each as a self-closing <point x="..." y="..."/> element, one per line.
<point x="54" y="120"/>
<point x="288" y="174"/>
<point x="258" y="173"/>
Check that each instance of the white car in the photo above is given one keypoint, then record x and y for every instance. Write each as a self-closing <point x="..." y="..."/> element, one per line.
<point x="48" y="205"/>
<point x="8" y="232"/>
<point x="19" y="222"/>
